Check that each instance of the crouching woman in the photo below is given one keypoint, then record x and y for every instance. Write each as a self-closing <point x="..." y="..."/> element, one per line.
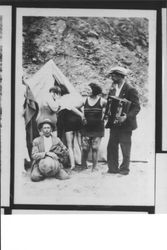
<point x="49" y="154"/>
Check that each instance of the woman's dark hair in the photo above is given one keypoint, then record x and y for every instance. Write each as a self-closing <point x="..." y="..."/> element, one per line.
<point x="55" y="89"/>
<point x="62" y="88"/>
<point x="96" y="89"/>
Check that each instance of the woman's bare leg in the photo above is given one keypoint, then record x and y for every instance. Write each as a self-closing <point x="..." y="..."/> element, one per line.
<point x="85" y="151"/>
<point x="69" y="139"/>
<point x="95" y="150"/>
<point x="79" y="139"/>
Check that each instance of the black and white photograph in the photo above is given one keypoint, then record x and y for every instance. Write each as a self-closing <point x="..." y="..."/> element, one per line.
<point x="5" y="101"/>
<point x="83" y="124"/>
<point x="85" y="107"/>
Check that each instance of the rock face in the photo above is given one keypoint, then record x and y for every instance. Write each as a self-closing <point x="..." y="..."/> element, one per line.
<point x="84" y="48"/>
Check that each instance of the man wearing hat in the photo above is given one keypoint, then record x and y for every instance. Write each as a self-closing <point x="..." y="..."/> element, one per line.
<point x="121" y="132"/>
<point x="49" y="154"/>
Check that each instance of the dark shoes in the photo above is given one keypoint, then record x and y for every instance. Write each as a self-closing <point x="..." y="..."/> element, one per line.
<point x="113" y="171"/>
<point x="124" y="171"/>
<point x="83" y="167"/>
<point x="119" y="171"/>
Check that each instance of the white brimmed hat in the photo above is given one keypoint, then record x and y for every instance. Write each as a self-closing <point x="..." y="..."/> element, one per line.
<point x="119" y="70"/>
<point x="46" y="121"/>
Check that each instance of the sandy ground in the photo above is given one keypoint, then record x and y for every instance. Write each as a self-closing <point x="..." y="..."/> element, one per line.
<point x="93" y="188"/>
<point x="100" y="188"/>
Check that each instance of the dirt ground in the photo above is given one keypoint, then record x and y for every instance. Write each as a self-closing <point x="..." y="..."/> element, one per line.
<point x="99" y="188"/>
<point x="93" y="188"/>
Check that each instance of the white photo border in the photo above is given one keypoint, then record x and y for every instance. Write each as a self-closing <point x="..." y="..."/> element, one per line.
<point x="5" y="12"/>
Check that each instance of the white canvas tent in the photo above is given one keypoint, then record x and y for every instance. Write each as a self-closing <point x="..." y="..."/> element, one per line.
<point x="43" y="80"/>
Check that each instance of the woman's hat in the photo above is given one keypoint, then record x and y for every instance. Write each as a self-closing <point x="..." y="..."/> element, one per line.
<point x="46" y="121"/>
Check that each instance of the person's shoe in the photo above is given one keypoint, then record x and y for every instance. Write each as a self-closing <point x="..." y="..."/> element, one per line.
<point x="72" y="167"/>
<point x="116" y="171"/>
<point x="84" y="167"/>
<point x="94" y="169"/>
<point x="124" y="171"/>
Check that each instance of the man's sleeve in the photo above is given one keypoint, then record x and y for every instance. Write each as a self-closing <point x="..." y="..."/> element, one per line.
<point x="135" y="105"/>
<point x="62" y="145"/>
<point x="36" y="155"/>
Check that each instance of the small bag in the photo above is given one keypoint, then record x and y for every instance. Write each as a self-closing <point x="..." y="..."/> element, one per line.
<point x="62" y="153"/>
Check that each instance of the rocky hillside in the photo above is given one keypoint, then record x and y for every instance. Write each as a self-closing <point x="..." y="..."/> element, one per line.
<point x="84" y="48"/>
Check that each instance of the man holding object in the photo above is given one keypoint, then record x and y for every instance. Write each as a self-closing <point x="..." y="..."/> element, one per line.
<point x="49" y="154"/>
<point x="121" y="128"/>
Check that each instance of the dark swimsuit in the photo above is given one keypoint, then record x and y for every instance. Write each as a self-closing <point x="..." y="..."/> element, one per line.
<point x="93" y="115"/>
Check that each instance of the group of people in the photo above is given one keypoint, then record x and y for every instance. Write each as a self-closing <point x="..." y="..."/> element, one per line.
<point x="53" y="151"/>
